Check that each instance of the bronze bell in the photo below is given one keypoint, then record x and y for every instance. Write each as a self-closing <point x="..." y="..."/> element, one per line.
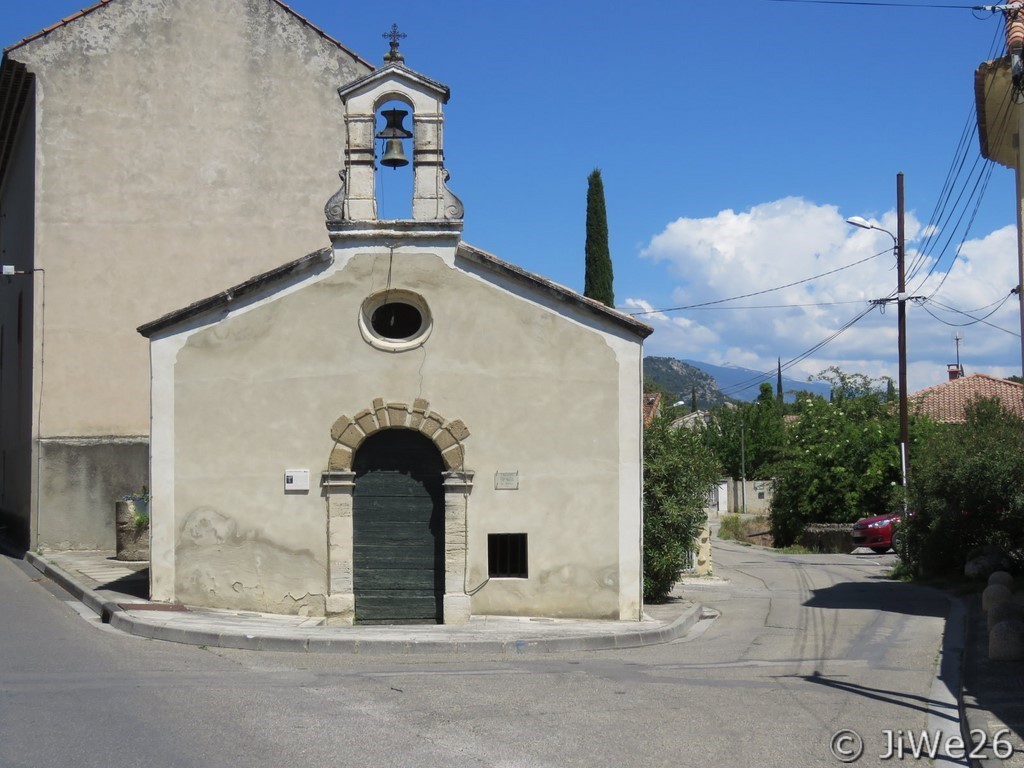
<point x="394" y="155"/>
<point x="394" y="132"/>
<point x="394" y="128"/>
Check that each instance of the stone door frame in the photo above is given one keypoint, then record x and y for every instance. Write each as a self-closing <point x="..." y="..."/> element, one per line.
<point x="338" y="485"/>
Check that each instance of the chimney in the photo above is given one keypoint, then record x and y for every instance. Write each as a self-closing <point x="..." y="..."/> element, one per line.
<point x="1014" y="26"/>
<point x="955" y="370"/>
<point x="1014" y="13"/>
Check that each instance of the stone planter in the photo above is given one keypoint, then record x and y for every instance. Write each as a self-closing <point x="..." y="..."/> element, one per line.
<point x="132" y="538"/>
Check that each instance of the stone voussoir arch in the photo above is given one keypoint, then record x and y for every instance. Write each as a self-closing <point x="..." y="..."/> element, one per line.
<point x="348" y="432"/>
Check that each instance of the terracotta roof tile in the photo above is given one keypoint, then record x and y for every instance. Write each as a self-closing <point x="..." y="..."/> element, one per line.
<point x="47" y="30"/>
<point x="101" y="3"/>
<point x="697" y="419"/>
<point x="652" y="404"/>
<point x="559" y="291"/>
<point x="947" y="402"/>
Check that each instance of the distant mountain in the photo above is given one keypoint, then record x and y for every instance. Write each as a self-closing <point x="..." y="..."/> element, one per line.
<point x="681" y="379"/>
<point x="717" y="384"/>
<point x="744" y="383"/>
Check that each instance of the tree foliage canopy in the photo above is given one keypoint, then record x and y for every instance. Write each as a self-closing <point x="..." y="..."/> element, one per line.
<point x="679" y="472"/>
<point x="966" y="489"/>
<point x="747" y="438"/>
<point x="840" y="459"/>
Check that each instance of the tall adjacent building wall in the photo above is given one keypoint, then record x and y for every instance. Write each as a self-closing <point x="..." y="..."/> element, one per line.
<point x="180" y="147"/>
<point x="18" y="297"/>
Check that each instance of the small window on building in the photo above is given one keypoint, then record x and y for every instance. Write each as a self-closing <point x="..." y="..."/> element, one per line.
<point x="396" y="321"/>
<point x="506" y="556"/>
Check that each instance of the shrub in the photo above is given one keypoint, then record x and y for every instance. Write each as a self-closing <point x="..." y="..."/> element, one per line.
<point x="679" y="472"/>
<point x="733" y="528"/>
<point x="966" y="490"/>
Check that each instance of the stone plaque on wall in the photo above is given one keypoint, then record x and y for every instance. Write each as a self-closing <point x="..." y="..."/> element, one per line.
<point x="506" y="481"/>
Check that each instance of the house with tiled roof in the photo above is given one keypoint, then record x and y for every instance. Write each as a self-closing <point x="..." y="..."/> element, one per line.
<point x="151" y="153"/>
<point x="651" y="407"/>
<point x="699" y="419"/>
<point x="947" y="402"/>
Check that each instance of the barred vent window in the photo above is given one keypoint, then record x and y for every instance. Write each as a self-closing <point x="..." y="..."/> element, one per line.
<point x="506" y="556"/>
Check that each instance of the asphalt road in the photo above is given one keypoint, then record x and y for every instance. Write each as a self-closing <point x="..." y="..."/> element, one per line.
<point x="802" y="647"/>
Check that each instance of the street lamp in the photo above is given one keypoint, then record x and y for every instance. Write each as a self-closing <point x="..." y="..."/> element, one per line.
<point x="898" y="241"/>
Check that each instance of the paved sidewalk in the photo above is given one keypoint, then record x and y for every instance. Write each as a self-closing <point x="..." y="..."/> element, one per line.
<point x="117" y="592"/>
<point x="991" y="694"/>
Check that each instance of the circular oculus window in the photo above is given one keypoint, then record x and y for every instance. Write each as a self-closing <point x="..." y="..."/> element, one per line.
<point x="395" y="320"/>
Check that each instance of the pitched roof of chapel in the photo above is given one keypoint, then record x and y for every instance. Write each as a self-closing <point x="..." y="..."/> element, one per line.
<point x="265" y="283"/>
<point x="553" y="289"/>
<point x="947" y="402"/>
<point x="86" y="11"/>
<point x="262" y="282"/>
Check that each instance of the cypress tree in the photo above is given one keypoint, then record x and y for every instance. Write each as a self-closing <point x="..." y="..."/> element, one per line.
<point x="598" y="278"/>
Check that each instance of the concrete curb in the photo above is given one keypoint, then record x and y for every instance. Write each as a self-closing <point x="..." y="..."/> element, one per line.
<point x="322" y="640"/>
<point x="968" y="704"/>
<point x="314" y="641"/>
<point x="92" y="600"/>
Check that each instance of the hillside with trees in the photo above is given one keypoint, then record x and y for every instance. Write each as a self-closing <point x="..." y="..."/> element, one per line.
<point x="679" y="381"/>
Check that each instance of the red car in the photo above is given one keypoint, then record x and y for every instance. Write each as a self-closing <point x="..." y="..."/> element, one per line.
<point x="877" y="533"/>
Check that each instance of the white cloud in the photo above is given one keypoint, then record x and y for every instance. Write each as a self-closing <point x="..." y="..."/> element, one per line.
<point x="783" y="243"/>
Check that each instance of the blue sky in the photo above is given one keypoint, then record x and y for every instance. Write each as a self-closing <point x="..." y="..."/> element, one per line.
<point x="734" y="139"/>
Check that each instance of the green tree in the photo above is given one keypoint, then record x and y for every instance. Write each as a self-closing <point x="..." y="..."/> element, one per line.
<point x="598" y="278"/>
<point x="966" y="489"/>
<point x="747" y="439"/>
<point x="679" y="472"/>
<point x="840" y="459"/>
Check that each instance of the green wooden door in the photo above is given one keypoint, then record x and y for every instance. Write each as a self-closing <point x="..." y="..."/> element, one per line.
<point x="398" y="530"/>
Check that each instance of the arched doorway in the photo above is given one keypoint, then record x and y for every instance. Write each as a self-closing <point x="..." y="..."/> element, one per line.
<point x="398" y="529"/>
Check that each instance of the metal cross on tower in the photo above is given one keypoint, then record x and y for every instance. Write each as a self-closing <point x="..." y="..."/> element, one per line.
<point x="394" y="36"/>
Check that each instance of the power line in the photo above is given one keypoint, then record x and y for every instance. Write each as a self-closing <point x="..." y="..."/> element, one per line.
<point x="759" y="293"/>
<point x="747" y="383"/>
<point x="778" y="306"/>
<point x="980" y="171"/>
<point x="992" y="8"/>
<point x="974" y="320"/>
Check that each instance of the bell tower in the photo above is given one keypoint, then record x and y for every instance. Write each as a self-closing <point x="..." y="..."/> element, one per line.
<point x="364" y="99"/>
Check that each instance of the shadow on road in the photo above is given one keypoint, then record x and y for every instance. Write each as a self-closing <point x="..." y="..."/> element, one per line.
<point x="993" y="690"/>
<point x="946" y="711"/>
<point x="881" y="595"/>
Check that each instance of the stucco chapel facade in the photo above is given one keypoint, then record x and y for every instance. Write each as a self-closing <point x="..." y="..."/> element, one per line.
<point x="400" y="426"/>
<point x="151" y="153"/>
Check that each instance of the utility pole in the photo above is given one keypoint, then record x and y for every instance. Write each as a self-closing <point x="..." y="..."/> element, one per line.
<point x="898" y="244"/>
<point x="901" y="305"/>
<point x="743" y="469"/>
<point x="1019" y="290"/>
